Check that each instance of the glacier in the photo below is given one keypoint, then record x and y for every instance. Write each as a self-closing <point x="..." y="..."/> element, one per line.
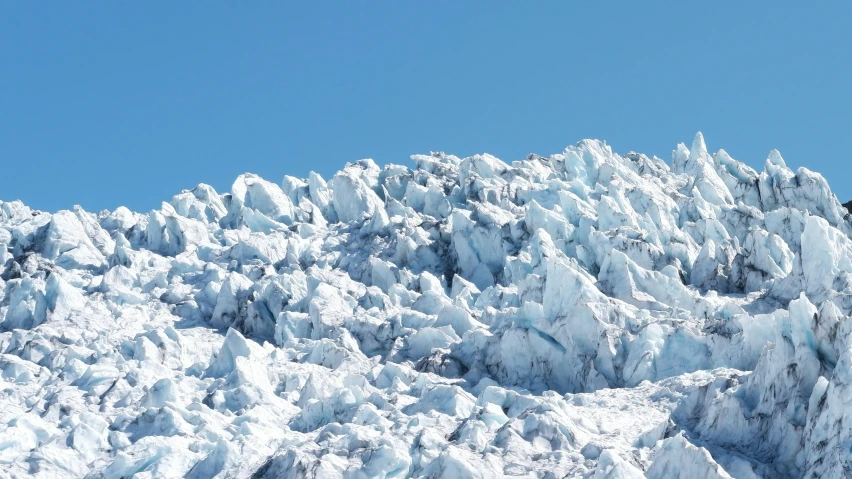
<point x="582" y="315"/>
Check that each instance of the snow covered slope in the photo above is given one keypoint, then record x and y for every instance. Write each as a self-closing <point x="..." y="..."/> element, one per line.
<point x="583" y="315"/>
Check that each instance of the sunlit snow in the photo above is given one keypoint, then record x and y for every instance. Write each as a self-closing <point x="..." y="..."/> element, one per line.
<point x="584" y="315"/>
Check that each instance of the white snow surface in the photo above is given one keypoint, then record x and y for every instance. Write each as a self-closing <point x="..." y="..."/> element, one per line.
<point x="583" y="315"/>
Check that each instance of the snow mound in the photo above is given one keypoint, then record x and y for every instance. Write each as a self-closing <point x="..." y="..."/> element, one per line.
<point x="583" y="315"/>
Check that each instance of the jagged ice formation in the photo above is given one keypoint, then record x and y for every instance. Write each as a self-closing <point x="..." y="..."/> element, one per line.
<point x="583" y="315"/>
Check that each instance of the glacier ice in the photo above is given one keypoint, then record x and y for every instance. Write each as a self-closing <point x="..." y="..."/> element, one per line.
<point x="586" y="314"/>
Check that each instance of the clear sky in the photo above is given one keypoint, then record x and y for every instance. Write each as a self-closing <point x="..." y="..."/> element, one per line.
<point x="111" y="103"/>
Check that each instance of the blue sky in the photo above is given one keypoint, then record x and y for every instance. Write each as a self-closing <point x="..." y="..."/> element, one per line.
<point x="111" y="103"/>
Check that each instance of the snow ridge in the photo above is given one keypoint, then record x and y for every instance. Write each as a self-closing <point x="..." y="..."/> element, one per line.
<point x="583" y="315"/>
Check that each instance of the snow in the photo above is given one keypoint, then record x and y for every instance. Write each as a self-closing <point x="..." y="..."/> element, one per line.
<point x="586" y="314"/>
